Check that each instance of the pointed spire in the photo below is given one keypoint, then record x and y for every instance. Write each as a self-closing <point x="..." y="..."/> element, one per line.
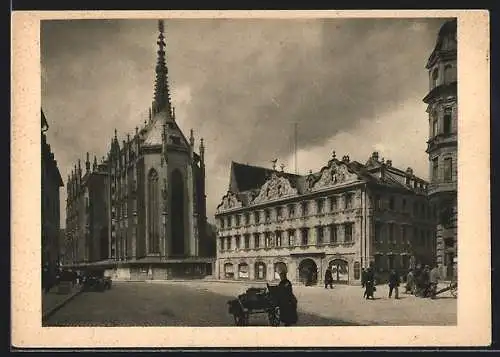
<point x="79" y="168"/>
<point x="87" y="163"/>
<point x="94" y="166"/>
<point x="136" y="131"/>
<point x="202" y="150"/>
<point x="191" y="138"/>
<point x="173" y="113"/>
<point x="162" y="94"/>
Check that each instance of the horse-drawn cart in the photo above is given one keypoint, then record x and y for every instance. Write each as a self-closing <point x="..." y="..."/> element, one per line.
<point x="256" y="301"/>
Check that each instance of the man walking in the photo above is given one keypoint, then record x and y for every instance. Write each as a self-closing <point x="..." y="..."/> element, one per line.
<point x="328" y="278"/>
<point x="394" y="284"/>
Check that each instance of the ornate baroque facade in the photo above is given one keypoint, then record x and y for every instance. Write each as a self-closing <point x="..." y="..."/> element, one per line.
<point x="151" y="191"/>
<point x="442" y="108"/>
<point x="346" y="216"/>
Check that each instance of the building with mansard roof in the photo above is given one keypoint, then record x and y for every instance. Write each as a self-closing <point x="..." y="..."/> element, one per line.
<point x="141" y="212"/>
<point x="346" y="216"/>
<point x="442" y="106"/>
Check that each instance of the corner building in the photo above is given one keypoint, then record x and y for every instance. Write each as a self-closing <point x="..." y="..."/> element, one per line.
<point x="153" y="196"/>
<point x="346" y="216"/>
<point x="51" y="182"/>
<point x="442" y="108"/>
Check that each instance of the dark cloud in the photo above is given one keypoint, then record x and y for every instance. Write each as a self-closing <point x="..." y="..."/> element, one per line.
<point x="239" y="83"/>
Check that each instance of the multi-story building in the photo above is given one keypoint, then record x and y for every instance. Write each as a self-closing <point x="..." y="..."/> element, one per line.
<point x="346" y="216"/>
<point x="152" y="190"/>
<point x="442" y="108"/>
<point x="50" y="184"/>
<point x="87" y="223"/>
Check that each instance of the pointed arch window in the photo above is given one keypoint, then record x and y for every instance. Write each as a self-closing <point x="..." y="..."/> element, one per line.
<point x="153" y="212"/>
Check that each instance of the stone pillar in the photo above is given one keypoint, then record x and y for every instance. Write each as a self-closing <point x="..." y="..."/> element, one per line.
<point x="191" y="241"/>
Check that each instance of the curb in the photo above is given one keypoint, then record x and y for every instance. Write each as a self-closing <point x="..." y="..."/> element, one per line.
<point x="50" y="312"/>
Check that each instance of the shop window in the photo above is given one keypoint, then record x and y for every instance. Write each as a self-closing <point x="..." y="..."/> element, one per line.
<point x="243" y="271"/>
<point x="260" y="271"/>
<point x="228" y="271"/>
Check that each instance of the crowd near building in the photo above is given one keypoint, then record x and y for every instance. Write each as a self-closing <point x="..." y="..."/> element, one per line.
<point x="51" y="182"/>
<point x="140" y="212"/>
<point x="345" y="216"/>
<point x="442" y="105"/>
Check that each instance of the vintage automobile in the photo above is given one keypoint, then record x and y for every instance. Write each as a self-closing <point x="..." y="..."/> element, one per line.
<point x="95" y="280"/>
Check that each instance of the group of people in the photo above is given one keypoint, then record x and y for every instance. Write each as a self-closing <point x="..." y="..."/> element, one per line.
<point x="419" y="281"/>
<point x="422" y="281"/>
<point x="51" y="276"/>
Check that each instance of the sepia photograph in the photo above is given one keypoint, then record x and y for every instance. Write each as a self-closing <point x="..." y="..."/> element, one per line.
<point x="250" y="172"/>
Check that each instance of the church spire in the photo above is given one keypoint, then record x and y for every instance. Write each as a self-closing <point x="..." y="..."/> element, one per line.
<point x="162" y="94"/>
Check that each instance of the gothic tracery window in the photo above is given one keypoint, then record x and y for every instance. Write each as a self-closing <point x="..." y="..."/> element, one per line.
<point x="153" y="212"/>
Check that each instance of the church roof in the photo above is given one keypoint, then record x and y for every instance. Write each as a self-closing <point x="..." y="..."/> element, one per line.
<point x="153" y="134"/>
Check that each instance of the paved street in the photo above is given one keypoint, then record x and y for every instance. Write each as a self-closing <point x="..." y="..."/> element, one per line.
<point x="201" y="303"/>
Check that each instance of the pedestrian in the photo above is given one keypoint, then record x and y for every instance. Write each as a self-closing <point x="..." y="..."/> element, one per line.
<point x="394" y="284"/>
<point x="434" y="280"/>
<point x="328" y="278"/>
<point x="287" y="301"/>
<point x="410" y="283"/>
<point x="426" y="281"/>
<point x="370" y="284"/>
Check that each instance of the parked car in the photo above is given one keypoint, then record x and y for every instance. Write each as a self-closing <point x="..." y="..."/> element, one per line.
<point x="96" y="281"/>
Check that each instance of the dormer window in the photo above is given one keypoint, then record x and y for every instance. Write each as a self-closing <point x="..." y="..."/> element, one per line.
<point x="175" y="140"/>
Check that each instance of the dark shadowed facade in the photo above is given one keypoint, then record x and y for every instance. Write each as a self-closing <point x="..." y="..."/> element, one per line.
<point x="51" y="182"/>
<point x="144" y="204"/>
<point x="345" y="216"/>
<point x="442" y="145"/>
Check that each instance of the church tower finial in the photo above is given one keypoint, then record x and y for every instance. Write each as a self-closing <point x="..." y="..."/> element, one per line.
<point x="162" y="93"/>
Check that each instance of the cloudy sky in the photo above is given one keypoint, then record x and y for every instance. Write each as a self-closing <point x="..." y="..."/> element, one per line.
<point x="351" y="85"/>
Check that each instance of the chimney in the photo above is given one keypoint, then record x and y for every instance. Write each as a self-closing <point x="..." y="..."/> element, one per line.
<point x="409" y="171"/>
<point x="388" y="163"/>
<point x="375" y="155"/>
<point x="345" y="158"/>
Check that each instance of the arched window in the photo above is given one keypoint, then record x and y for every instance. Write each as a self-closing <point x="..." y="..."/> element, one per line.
<point x="435" y="75"/>
<point x="177" y="209"/>
<point x="260" y="271"/>
<point x="243" y="271"/>
<point x="153" y="212"/>
<point x="448" y="74"/>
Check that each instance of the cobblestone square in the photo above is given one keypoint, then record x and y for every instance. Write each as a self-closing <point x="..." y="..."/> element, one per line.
<point x="202" y="303"/>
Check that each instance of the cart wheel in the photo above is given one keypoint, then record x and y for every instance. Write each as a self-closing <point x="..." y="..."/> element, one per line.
<point x="274" y="317"/>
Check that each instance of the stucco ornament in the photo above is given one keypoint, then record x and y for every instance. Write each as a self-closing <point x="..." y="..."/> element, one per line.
<point x="274" y="188"/>
<point x="333" y="174"/>
<point x="229" y="201"/>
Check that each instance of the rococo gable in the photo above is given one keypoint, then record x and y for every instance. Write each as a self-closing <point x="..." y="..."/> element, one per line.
<point x="336" y="173"/>
<point x="277" y="187"/>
